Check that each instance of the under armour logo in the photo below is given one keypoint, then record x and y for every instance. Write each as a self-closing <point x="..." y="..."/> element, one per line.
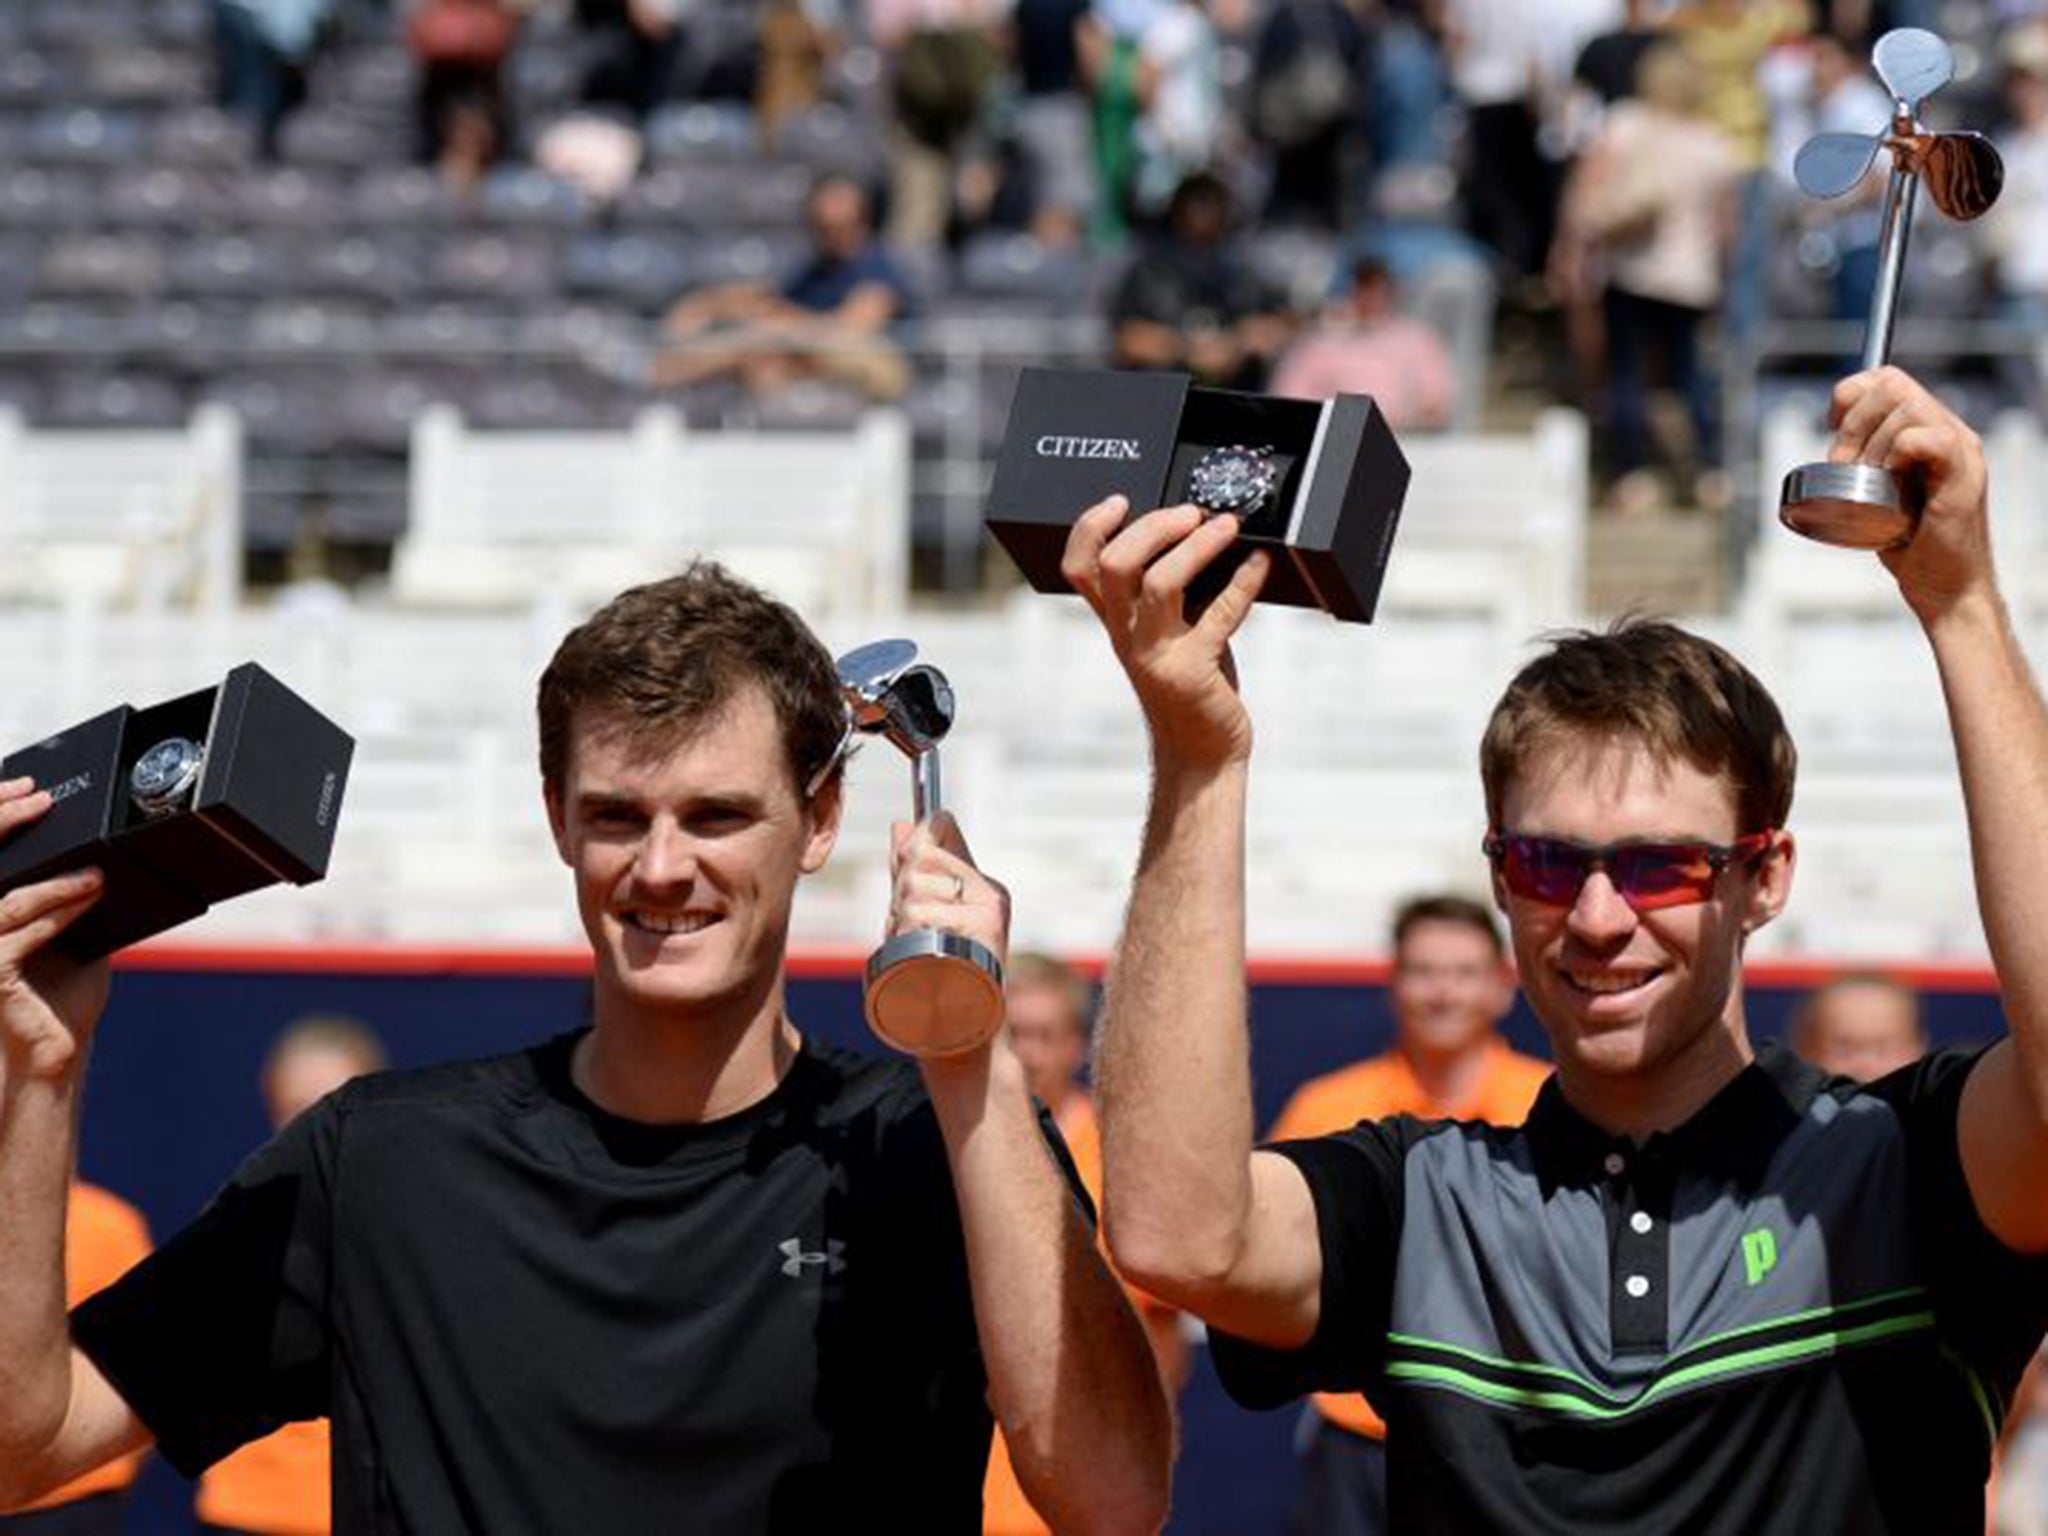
<point x="793" y="1265"/>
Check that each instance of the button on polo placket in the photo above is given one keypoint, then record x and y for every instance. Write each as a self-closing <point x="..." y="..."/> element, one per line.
<point x="1637" y="1197"/>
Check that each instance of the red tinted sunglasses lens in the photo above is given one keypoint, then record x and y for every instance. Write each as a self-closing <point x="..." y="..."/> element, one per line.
<point x="1541" y="869"/>
<point x="1648" y="875"/>
<point x="1653" y="875"/>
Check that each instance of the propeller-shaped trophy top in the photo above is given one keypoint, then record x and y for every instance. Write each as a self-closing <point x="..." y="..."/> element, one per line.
<point x="1865" y="506"/>
<point x="1962" y="172"/>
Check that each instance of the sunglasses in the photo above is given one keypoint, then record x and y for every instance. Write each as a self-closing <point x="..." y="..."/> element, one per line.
<point x="1551" y="870"/>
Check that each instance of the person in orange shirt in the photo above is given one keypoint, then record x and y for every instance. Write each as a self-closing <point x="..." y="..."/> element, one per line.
<point x="1047" y="1008"/>
<point x="104" y="1236"/>
<point x="1450" y="988"/>
<point x="279" y="1486"/>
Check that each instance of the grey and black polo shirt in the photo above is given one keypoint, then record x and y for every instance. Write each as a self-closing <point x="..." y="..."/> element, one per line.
<point x="1781" y="1319"/>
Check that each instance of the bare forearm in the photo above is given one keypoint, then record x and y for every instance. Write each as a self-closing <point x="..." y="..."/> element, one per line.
<point x="1175" y="1056"/>
<point x="38" y="1130"/>
<point x="1071" y="1373"/>
<point x="2001" y="736"/>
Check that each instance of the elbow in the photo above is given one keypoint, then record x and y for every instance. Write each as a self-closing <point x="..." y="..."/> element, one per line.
<point x="1179" y="1264"/>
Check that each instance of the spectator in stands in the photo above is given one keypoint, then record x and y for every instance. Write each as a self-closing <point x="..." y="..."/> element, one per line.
<point x="1365" y="345"/>
<point x="280" y="1485"/>
<point x="104" y="1237"/>
<point x="1652" y="209"/>
<point x="1047" y="1012"/>
<point x="2016" y="229"/>
<point x="1566" y="1323"/>
<point x="1052" y="117"/>
<point x="1120" y="81"/>
<point x="1860" y="1026"/>
<point x="1729" y="41"/>
<point x="459" y="48"/>
<point x="685" y="1268"/>
<point x="1450" y="988"/>
<point x="1190" y="300"/>
<point x="1177" y="131"/>
<point x="944" y="58"/>
<point x="634" y="48"/>
<point x="831" y="319"/>
<point x="1311" y="80"/>
<point x="1510" y="189"/>
<point x="798" y="47"/>
<point x="263" y="49"/>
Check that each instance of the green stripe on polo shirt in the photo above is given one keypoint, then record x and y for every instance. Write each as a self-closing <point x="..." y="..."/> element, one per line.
<point x="1533" y="1385"/>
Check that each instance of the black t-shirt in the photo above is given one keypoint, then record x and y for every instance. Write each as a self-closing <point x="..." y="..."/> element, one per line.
<point x="1781" y="1319"/>
<point x="525" y="1315"/>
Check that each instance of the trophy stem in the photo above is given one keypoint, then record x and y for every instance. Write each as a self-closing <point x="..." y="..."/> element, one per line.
<point x="926" y="800"/>
<point x="1900" y="194"/>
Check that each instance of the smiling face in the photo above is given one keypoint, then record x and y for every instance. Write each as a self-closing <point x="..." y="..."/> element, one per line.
<point x="686" y="859"/>
<point x="1634" y="999"/>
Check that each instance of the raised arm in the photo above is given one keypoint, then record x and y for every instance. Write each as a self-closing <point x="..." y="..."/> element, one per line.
<point x="2001" y="735"/>
<point x="1071" y="1376"/>
<point x="58" y="1416"/>
<point x="1191" y="1213"/>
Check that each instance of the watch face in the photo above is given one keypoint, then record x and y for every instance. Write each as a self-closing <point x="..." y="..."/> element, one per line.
<point x="165" y="771"/>
<point x="1235" y="479"/>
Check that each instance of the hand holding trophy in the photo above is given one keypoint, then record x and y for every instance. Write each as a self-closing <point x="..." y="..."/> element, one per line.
<point x="929" y="992"/>
<point x="1863" y="506"/>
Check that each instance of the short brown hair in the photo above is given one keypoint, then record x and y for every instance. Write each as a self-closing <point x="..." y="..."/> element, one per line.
<point x="1462" y="910"/>
<point x="334" y="1033"/>
<point x="663" y="659"/>
<point x="1035" y="968"/>
<point x="1647" y="682"/>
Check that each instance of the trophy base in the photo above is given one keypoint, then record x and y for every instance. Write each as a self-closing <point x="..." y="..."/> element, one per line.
<point x="1854" y="506"/>
<point x="931" y="993"/>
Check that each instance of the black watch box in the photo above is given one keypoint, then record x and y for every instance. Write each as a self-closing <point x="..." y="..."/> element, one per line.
<point x="263" y="808"/>
<point x="1076" y="436"/>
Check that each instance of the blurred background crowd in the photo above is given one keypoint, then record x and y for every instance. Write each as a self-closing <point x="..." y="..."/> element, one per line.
<point x="550" y="212"/>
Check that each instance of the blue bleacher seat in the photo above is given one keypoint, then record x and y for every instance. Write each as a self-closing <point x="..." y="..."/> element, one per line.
<point x="291" y="196"/>
<point x="1005" y="265"/>
<point x="123" y="397"/>
<point x="144" y="75"/>
<point x="313" y="329"/>
<point x="407" y="196"/>
<point x="165" y="198"/>
<point x="506" y="268"/>
<point x="125" y="266"/>
<point x="34" y="198"/>
<point x="639" y="270"/>
<point x="527" y="196"/>
<point x="200" y="135"/>
<point x="84" y="136"/>
<point x="386" y="265"/>
<point x="246" y="267"/>
<point x="322" y="136"/>
<point x="701" y="130"/>
<point x="32" y="79"/>
<point x="757" y="258"/>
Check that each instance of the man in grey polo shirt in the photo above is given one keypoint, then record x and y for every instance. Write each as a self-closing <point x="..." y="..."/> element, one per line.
<point x="1706" y="1288"/>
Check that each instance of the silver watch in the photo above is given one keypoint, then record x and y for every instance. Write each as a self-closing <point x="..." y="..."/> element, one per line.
<point x="1238" y="479"/>
<point x="165" y="775"/>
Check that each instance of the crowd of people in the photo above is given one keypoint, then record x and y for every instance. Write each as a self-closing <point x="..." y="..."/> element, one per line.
<point x="1621" y="167"/>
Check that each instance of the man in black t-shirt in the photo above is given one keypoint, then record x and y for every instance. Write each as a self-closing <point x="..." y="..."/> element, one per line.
<point x="684" y="1270"/>
<point x="1705" y="1288"/>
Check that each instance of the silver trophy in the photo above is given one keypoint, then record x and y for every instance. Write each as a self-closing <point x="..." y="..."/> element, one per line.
<point x="929" y="992"/>
<point x="1863" y="506"/>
